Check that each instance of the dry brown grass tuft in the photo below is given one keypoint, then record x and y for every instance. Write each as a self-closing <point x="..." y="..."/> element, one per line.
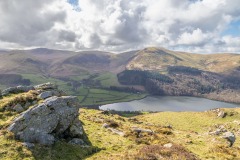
<point x="155" y="152"/>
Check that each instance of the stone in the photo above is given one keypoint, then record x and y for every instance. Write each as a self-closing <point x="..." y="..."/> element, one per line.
<point x="76" y="129"/>
<point x="237" y="122"/>
<point x="133" y="119"/>
<point x="28" y="145"/>
<point x="216" y="132"/>
<point x="221" y="114"/>
<point x="45" y="95"/>
<point x="168" y="145"/>
<point x="115" y="131"/>
<point x="25" y="88"/>
<point x="221" y="129"/>
<point x="97" y="120"/>
<point x="56" y="117"/>
<point x="105" y="125"/>
<point x="139" y="130"/>
<point x="56" y="93"/>
<point x="77" y="141"/>
<point x="230" y="137"/>
<point x="189" y="142"/>
<point x="45" y="86"/>
<point x="45" y="139"/>
<point x="27" y="105"/>
<point x="34" y="102"/>
<point x="16" y="90"/>
<point x="169" y="126"/>
<point x="18" y="108"/>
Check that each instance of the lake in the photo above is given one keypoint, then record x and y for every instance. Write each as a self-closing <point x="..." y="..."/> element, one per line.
<point x="168" y="103"/>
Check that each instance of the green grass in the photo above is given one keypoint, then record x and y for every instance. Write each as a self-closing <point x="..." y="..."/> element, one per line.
<point x="108" y="79"/>
<point x="13" y="150"/>
<point x="187" y="127"/>
<point x="80" y="77"/>
<point x="82" y="91"/>
<point x="189" y="130"/>
<point x="194" y="126"/>
<point x="39" y="79"/>
<point x="101" y="97"/>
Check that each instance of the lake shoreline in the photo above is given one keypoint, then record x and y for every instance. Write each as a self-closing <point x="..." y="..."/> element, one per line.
<point x="149" y="95"/>
<point x="168" y="103"/>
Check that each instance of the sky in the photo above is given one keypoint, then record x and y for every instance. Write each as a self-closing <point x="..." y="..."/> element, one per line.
<point x="201" y="26"/>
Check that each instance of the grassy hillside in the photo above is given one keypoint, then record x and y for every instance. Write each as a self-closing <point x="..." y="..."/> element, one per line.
<point x="187" y="135"/>
<point x="190" y="130"/>
<point x="62" y="63"/>
<point x="160" y="58"/>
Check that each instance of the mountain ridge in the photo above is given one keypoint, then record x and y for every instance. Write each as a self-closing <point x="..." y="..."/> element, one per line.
<point x="151" y="58"/>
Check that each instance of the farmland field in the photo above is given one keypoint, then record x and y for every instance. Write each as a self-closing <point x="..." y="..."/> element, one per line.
<point x="88" y="94"/>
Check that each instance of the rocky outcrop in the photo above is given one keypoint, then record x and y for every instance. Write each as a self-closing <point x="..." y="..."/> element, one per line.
<point x="55" y="118"/>
<point x="16" y="90"/>
<point x="46" y="94"/>
<point x="42" y="87"/>
<point x="45" y="86"/>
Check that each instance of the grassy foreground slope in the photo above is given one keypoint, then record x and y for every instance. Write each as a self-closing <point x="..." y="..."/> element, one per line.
<point x="11" y="149"/>
<point x="188" y="133"/>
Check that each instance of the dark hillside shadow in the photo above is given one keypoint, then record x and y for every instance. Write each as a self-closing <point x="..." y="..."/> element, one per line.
<point x="62" y="150"/>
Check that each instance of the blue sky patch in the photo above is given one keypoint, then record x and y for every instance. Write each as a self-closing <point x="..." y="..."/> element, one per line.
<point x="233" y="29"/>
<point x="75" y="4"/>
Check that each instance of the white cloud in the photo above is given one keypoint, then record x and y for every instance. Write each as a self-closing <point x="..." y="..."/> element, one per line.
<point x="119" y="25"/>
<point x="197" y="37"/>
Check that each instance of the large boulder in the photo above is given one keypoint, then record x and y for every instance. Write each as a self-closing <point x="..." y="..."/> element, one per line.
<point x="56" y="117"/>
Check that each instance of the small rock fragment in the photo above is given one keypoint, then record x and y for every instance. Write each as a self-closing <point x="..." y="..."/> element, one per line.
<point x="168" y="145"/>
<point x="28" y="145"/>
<point x="77" y="141"/>
<point x="46" y="94"/>
<point x="230" y="137"/>
<point x="221" y="114"/>
<point x="105" y="125"/>
<point x="18" y="108"/>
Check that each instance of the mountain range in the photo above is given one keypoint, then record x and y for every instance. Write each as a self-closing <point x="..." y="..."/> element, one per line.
<point x="62" y="63"/>
<point x="160" y="71"/>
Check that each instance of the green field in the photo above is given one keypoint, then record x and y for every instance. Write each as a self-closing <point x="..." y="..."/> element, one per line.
<point x="88" y="95"/>
<point x="108" y="79"/>
<point x="101" y="96"/>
